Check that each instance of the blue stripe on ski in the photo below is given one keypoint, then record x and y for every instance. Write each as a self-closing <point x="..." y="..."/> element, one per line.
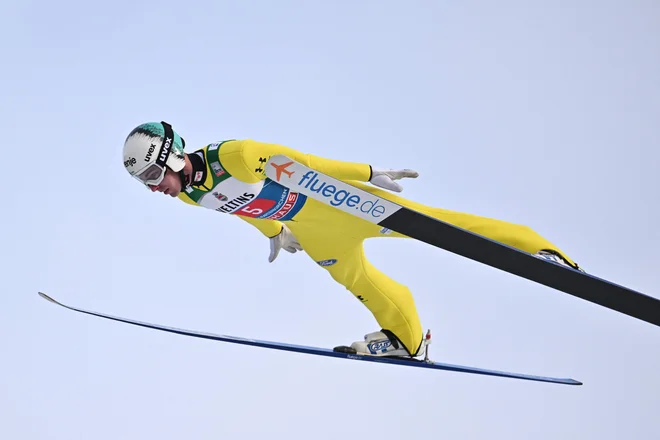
<point x="322" y="351"/>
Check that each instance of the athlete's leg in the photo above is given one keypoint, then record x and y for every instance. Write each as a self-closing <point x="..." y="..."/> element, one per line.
<point x="390" y="302"/>
<point x="515" y="235"/>
<point x="335" y="241"/>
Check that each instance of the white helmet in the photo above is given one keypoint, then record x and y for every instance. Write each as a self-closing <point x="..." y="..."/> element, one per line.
<point x="150" y="148"/>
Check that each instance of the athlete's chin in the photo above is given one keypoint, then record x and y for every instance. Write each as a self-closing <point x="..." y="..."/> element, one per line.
<point x="171" y="192"/>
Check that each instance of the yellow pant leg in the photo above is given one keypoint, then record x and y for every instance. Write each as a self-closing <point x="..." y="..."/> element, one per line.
<point x="512" y="234"/>
<point x="327" y="234"/>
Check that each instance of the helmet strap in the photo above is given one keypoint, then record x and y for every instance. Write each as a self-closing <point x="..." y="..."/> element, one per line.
<point x="166" y="148"/>
<point x="182" y="177"/>
<point x="166" y="145"/>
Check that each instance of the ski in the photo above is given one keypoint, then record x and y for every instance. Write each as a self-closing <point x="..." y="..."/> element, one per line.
<point x="323" y="351"/>
<point x="355" y="201"/>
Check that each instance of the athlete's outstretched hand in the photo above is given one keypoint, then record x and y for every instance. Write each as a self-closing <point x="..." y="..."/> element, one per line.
<point x="284" y="240"/>
<point x="385" y="178"/>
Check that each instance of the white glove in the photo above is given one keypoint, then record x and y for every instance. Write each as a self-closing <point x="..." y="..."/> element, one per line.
<point x="284" y="240"/>
<point x="385" y="178"/>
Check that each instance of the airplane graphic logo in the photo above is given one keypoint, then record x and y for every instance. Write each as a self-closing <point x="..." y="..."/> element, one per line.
<point x="282" y="169"/>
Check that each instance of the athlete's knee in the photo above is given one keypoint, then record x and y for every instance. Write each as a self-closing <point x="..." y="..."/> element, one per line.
<point x="345" y="274"/>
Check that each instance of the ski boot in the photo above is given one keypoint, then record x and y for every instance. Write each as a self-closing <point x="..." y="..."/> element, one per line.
<point x="385" y="343"/>
<point x="555" y="257"/>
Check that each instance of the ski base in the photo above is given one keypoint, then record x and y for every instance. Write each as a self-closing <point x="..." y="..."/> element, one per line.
<point x="324" y="351"/>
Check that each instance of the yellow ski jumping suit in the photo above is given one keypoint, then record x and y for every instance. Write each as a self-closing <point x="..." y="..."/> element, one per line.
<point x="233" y="181"/>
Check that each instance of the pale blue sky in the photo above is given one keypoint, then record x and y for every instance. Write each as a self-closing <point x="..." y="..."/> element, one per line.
<point x="540" y="113"/>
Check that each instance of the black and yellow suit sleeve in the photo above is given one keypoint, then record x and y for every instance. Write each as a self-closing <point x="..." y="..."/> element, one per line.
<point x="246" y="159"/>
<point x="270" y="228"/>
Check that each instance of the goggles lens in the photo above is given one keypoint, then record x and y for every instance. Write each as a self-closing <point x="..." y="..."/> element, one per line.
<point x="153" y="174"/>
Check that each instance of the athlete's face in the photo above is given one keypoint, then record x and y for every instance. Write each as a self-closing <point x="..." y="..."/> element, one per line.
<point x="171" y="184"/>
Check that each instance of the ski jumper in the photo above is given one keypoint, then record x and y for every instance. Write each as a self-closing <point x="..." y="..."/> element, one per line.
<point x="234" y="182"/>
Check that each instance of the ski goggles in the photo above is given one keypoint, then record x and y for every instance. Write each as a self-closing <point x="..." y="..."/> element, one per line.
<point x="153" y="173"/>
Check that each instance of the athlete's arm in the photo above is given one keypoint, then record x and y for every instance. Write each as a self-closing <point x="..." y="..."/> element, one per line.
<point x="246" y="160"/>
<point x="270" y="228"/>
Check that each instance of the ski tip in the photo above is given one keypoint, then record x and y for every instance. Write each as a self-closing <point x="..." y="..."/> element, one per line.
<point x="46" y="297"/>
<point x="573" y="382"/>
